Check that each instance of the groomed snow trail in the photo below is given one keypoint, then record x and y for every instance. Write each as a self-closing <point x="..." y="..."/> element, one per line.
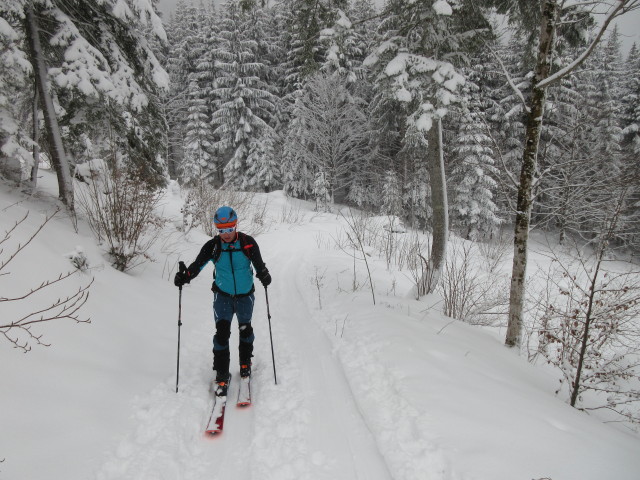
<point x="307" y="427"/>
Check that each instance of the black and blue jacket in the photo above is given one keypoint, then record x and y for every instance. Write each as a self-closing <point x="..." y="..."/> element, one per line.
<point x="233" y="275"/>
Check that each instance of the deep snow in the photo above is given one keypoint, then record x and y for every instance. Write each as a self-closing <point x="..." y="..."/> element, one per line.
<point x="391" y="391"/>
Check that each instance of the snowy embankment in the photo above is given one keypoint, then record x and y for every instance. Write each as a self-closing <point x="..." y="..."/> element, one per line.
<point x="391" y="391"/>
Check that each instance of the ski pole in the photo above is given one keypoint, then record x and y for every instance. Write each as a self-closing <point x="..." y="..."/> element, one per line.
<point x="273" y="357"/>
<point x="179" y="325"/>
<point x="182" y="267"/>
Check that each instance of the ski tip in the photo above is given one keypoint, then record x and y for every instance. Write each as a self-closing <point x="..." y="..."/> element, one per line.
<point x="212" y="433"/>
<point x="243" y="404"/>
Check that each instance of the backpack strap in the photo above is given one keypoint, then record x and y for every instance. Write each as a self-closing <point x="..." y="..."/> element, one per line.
<point x="217" y="249"/>
<point x="245" y="246"/>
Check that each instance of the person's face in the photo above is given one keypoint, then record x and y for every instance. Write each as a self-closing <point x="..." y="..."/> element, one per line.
<point x="227" y="235"/>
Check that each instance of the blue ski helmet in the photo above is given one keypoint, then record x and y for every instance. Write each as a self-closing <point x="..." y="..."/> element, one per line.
<point x="225" y="217"/>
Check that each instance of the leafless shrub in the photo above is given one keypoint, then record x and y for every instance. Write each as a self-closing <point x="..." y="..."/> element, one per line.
<point x="318" y="281"/>
<point x="259" y="220"/>
<point x="119" y="206"/>
<point x="322" y="241"/>
<point x="19" y="331"/>
<point x="469" y="292"/>
<point x="356" y="236"/>
<point x="408" y="250"/>
<point x="495" y="249"/>
<point x="588" y="328"/>
<point x="292" y="214"/>
<point x="417" y="264"/>
<point x="387" y="240"/>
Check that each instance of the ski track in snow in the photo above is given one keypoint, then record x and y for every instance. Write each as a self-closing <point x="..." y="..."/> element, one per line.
<point x="401" y="432"/>
<point x="308" y="427"/>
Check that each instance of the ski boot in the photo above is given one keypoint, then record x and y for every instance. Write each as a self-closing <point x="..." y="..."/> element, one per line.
<point x="245" y="370"/>
<point x="222" y="385"/>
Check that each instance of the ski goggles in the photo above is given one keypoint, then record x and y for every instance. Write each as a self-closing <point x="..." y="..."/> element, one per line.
<point x="227" y="230"/>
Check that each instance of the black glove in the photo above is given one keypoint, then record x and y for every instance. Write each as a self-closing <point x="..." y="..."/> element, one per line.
<point x="180" y="279"/>
<point x="182" y="276"/>
<point x="265" y="277"/>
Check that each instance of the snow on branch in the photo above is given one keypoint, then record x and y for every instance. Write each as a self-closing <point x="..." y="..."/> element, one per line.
<point x="413" y="74"/>
<point x="622" y="7"/>
<point x="513" y="86"/>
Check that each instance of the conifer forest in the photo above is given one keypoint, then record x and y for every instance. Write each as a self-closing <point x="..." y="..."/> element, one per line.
<point x="337" y="101"/>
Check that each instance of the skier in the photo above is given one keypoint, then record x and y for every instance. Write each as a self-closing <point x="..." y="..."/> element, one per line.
<point x="232" y="252"/>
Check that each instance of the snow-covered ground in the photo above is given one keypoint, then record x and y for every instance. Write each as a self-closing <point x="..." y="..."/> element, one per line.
<point x="391" y="391"/>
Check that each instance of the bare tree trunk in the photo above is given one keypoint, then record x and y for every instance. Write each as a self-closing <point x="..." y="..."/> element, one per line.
<point x="56" y="147"/>
<point x="585" y="335"/>
<point x="439" y="203"/>
<point x="36" y="135"/>
<point x="527" y="174"/>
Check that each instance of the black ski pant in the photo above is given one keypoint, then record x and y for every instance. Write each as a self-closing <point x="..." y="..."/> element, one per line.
<point x="224" y="307"/>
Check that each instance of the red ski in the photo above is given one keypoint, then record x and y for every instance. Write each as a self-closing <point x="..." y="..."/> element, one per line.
<point x="244" y="392"/>
<point x="216" y="419"/>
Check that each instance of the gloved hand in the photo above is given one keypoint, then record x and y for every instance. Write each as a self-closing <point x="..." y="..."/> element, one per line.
<point x="180" y="279"/>
<point x="265" y="277"/>
<point x="182" y="276"/>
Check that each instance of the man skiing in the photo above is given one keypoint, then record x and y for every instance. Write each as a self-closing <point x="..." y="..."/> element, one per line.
<point x="232" y="252"/>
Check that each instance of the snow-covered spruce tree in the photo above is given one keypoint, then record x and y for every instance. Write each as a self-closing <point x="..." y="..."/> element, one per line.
<point x="631" y="103"/>
<point x="391" y="195"/>
<point x="243" y="104"/>
<point x="567" y="189"/>
<point x="297" y="171"/>
<point x="343" y="55"/>
<point x="14" y="70"/>
<point x="322" y="192"/>
<point x="263" y="161"/>
<point x="631" y="142"/>
<point x="97" y="59"/>
<point x="416" y="197"/>
<point x="473" y="211"/>
<point x="199" y="163"/>
<point x="185" y="30"/>
<point x="330" y="133"/>
<point x="304" y="20"/>
<point x="273" y="44"/>
<point x="364" y="19"/>
<point x="198" y="160"/>
<point x="413" y="74"/>
<point x="506" y="114"/>
<point x="605" y="101"/>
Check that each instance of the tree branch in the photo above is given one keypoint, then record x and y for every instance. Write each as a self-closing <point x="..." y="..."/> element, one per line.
<point x="622" y="7"/>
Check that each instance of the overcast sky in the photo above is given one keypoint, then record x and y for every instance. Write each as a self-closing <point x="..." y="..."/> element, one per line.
<point x="628" y="25"/>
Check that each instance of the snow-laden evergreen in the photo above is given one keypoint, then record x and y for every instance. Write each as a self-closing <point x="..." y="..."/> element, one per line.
<point x="474" y="213"/>
<point x="631" y="101"/>
<point x="242" y="105"/>
<point x="606" y="103"/>
<point x="343" y="54"/>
